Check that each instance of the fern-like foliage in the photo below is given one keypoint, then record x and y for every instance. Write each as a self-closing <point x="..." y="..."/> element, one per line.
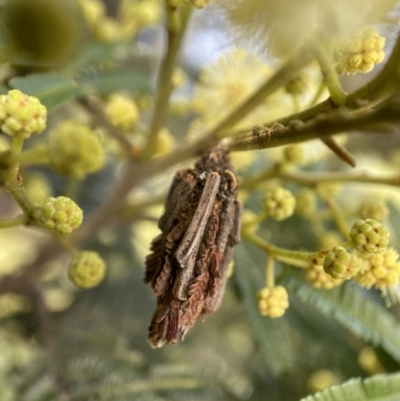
<point x="378" y="388"/>
<point x="100" y="364"/>
<point x="356" y="311"/>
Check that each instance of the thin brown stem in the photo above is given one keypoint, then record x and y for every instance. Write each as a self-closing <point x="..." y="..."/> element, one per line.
<point x="324" y="126"/>
<point x="339" y="151"/>
<point x="312" y="179"/>
<point x="177" y="21"/>
<point x="385" y="84"/>
<point x="100" y="118"/>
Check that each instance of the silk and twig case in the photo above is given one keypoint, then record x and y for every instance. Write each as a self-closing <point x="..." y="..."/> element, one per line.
<point x="188" y="265"/>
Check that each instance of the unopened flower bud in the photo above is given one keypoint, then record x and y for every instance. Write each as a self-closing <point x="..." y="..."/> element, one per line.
<point x="374" y="209"/>
<point x="279" y="204"/>
<point x="273" y="302"/>
<point x="61" y="215"/>
<point x="86" y="270"/>
<point x="368" y="236"/>
<point x="21" y="115"/>
<point x="75" y="149"/>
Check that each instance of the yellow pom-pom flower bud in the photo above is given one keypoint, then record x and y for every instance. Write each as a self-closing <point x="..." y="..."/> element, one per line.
<point x="381" y="270"/>
<point x="135" y="15"/>
<point x="321" y="380"/>
<point x="92" y="10"/>
<point x="319" y="279"/>
<point x="328" y="190"/>
<point x="273" y="302"/>
<point x="122" y="112"/>
<point x="368" y="236"/>
<point x="340" y="264"/>
<point x="21" y="115"/>
<point x="306" y="202"/>
<point x="86" y="270"/>
<point x="279" y="203"/>
<point x="108" y="30"/>
<point x="61" y="214"/>
<point x="37" y="187"/>
<point x="360" y="53"/>
<point x="374" y="209"/>
<point x="75" y="149"/>
<point x="369" y="361"/>
<point x="335" y="263"/>
<point x="147" y="12"/>
<point x="165" y="142"/>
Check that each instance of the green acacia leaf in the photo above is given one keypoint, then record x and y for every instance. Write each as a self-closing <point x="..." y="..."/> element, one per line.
<point x="379" y="388"/>
<point x="94" y="54"/>
<point x="51" y="89"/>
<point x="352" y="308"/>
<point x="103" y="83"/>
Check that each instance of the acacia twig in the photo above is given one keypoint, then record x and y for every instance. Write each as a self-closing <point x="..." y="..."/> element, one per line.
<point x="97" y="113"/>
<point x="312" y="179"/>
<point x="339" y="150"/>
<point x="177" y="21"/>
<point x="380" y="88"/>
<point x="323" y="126"/>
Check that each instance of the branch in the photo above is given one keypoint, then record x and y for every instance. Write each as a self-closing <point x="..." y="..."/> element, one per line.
<point x="94" y="109"/>
<point x="381" y="87"/>
<point x="287" y="71"/>
<point x="339" y="150"/>
<point x="177" y="21"/>
<point x="134" y="174"/>
<point x="323" y="126"/>
<point x="312" y="179"/>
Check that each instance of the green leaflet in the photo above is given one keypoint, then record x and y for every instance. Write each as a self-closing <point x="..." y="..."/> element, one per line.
<point x="379" y="388"/>
<point x="103" y="83"/>
<point x="349" y="306"/>
<point x="51" y="89"/>
<point x="93" y="54"/>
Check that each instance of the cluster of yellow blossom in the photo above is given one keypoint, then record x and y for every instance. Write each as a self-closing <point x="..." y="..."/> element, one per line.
<point x="133" y="15"/>
<point x="273" y="302"/>
<point x="225" y="84"/>
<point x="360" y="53"/>
<point x="122" y="111"/>
<point x="21" y="115"/>
<point x="320" y="279"/>
<point x="379" y="267"/>
<point x="381" y="270"/>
